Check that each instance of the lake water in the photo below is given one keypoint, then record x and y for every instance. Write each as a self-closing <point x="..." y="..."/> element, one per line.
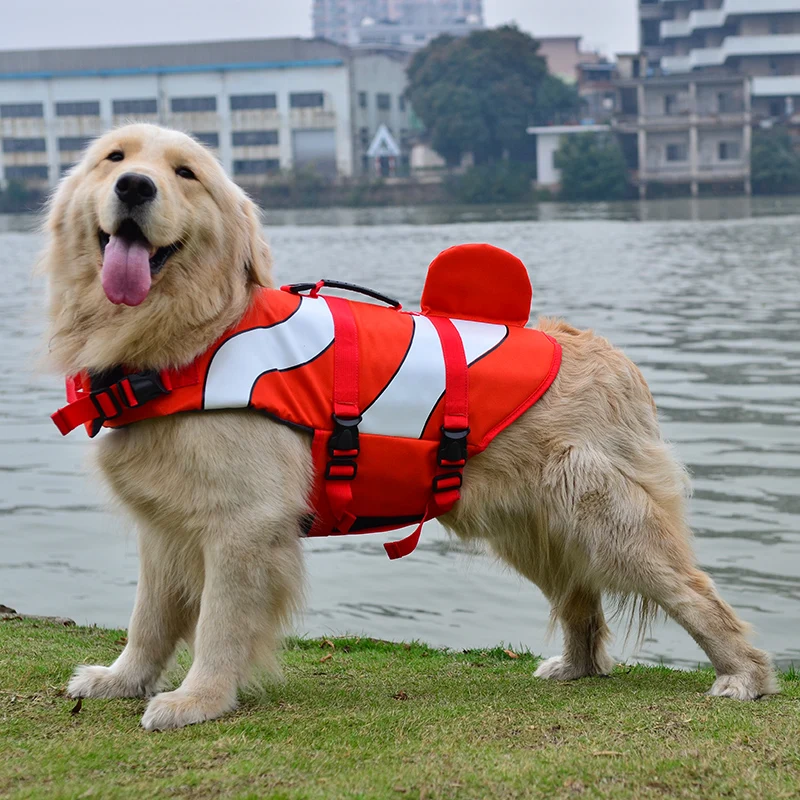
<point x="703" y="295"/>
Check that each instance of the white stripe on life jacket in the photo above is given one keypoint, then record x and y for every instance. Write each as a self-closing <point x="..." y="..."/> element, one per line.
<point x="406" y="404"/>
<point x="245" y="357"/>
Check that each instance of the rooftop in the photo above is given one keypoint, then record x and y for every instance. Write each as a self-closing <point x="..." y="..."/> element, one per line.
<point x="171" y="58"/>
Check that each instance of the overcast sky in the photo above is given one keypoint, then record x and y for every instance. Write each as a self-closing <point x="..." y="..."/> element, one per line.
<point x="608" y="25"/>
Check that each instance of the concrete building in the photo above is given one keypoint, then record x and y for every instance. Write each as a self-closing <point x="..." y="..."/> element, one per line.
<point x="407" y="24"/>
<point x="755" y="38"/>
<point x="708" y="70"/>
<point x="548" y="140"/>
<point x="689" y="130"/>
<point x="262" y="105"/>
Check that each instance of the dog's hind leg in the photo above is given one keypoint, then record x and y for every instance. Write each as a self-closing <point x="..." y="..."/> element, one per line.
<point x="163" y="614"/>
<point x="580" y="613"/>
<point x="639" y="544"/>
<point x="253" y="580"/>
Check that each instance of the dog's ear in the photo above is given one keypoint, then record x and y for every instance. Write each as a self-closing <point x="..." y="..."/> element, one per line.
<point x="257" y="256"/>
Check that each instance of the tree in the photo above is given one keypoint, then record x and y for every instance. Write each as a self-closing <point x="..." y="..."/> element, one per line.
<point x="592" y="168"/>
<point x="775" y="166"/>
<point x="479" y="93"/>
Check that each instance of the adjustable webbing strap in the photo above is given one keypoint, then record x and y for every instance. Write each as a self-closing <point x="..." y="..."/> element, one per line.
<point x="112" y="401"/>
<point x="452" y="456"/>
<point x="343" y="446"/>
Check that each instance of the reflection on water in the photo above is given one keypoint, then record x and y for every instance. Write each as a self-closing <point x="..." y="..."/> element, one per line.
<point x="703" y="295"/>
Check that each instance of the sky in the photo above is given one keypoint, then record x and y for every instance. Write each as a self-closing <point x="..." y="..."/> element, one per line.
<point x="606" y="25"/>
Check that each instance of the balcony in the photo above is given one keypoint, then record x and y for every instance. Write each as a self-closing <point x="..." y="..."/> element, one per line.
<point x="777" y="86"/>
<point x="718" y="18"/>
<point x="733" y="46"/>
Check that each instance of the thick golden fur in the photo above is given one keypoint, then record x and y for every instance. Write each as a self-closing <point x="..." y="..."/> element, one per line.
<point x="581" y="495"/>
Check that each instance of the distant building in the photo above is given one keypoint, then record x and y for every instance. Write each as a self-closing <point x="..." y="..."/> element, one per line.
<point x="339" y="20"/>
<point x="707" y="72"/>
<point x="591" y="72"/>
<point x="262" y="106"/>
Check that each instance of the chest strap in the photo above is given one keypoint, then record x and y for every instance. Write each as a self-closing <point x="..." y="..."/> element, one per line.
<point x="98" y="406"/>
<point x="452" y="455"/>
<point x="343" y="446"/>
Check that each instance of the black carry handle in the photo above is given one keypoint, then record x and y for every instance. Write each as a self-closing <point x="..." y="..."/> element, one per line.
<point x="298" y="288"/>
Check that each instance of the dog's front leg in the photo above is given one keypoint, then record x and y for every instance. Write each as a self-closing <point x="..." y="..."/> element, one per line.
<point x="253" y="580"/>
<point x="163" y="614"/>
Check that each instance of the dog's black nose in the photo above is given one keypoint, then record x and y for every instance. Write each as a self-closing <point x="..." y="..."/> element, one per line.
<point x="134" y="189"/>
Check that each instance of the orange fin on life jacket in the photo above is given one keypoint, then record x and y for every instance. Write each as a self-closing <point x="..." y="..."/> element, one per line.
<point x="478" y="282"/>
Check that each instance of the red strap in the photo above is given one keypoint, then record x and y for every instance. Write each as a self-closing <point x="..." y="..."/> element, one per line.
<point x="456" y="395"/>
<point x="408" y="545"/>
<point x="345" y="364"/>
<point x="345" y="405"/>
<point x="83" y="406"/>
<point x="447" y="484"/>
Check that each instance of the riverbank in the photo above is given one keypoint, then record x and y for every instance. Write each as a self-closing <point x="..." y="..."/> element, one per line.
<point x="363" y="718"/>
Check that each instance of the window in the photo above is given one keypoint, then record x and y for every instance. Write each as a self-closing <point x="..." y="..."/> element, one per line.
<point x="774" y="26"/>
<point x="73" y="142"/>
<point x="776" y="108"/>
<point x="401" y="102"/>
<point x="256" y="166"/>
<point x="254" y="138"/>
<point x="306" y="100"/>
<point x="677" y="152"/>
<point x="210" y="139"/>
<point x="82" y="109"/>
<point x="18" y="110"/>
<point x="730" y="151"/>
<point x="363" y="136"/>
<point x="362" y="99"/>
<point x="726" y="103"/>
<point x="24" y="145"/>
<point x="384" y="102"/>
<point x="250" y="102"/>
<point x="191" y="105"/>
<point x="65" y="168"/>
<point x="31" y="173"/>
<point x="670" y="104"/>
<point x="121" y="107"/>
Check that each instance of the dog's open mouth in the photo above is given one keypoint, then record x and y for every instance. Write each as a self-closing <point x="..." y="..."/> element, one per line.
<point x="130" y="262"/>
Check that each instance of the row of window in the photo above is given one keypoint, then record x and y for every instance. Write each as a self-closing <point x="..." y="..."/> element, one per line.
<point x="726" y="151"/>
<point x="70" y="143"/>
<point x="240" y="138"/>
<point x="40" y="172"/>
<point x="178" y="105"/>
<point x="383" y="101"/>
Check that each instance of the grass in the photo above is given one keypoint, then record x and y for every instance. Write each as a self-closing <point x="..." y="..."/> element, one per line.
<point x="359" y="718"/>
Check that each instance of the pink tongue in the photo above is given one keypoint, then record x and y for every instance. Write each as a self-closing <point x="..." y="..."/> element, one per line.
<point x="126" y="272"/>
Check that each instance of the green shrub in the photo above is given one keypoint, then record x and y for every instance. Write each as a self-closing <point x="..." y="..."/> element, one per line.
<point x="500" y="182"/>
<point x="592" y="168"/>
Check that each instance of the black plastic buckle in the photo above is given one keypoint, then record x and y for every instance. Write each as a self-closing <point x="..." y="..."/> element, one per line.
<point x="108" y="393"/>
<point x="341" y="462"/>
<point x="453" y="448"/>
<point x="447" y="476"/>
<point x="344" y="438"/>
<point x="145" y="386"/>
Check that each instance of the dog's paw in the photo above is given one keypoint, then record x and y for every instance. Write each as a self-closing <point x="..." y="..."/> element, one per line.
<point x="559" y="669"/>
<point x="180" y="708"/>
<point x="743" y="687"/>
<point x="105" y="682"/>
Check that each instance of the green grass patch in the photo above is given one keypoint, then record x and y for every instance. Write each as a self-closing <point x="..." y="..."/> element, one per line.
<point x="359" y="718"/>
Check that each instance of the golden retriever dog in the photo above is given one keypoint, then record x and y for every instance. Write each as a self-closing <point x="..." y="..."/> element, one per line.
<point x="152" y="254"/>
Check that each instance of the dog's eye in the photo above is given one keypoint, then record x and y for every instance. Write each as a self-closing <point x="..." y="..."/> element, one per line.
<point x="185" y="172"/>
<point x="117" y="155"/>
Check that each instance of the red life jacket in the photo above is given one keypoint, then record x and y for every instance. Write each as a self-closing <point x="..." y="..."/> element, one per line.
<point x="396" y="402"/>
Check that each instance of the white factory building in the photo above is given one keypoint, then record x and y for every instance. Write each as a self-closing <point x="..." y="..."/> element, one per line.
<point x="264" y="106"/>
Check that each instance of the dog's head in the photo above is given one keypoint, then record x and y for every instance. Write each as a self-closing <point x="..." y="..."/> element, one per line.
<point x="148" y="237"/>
